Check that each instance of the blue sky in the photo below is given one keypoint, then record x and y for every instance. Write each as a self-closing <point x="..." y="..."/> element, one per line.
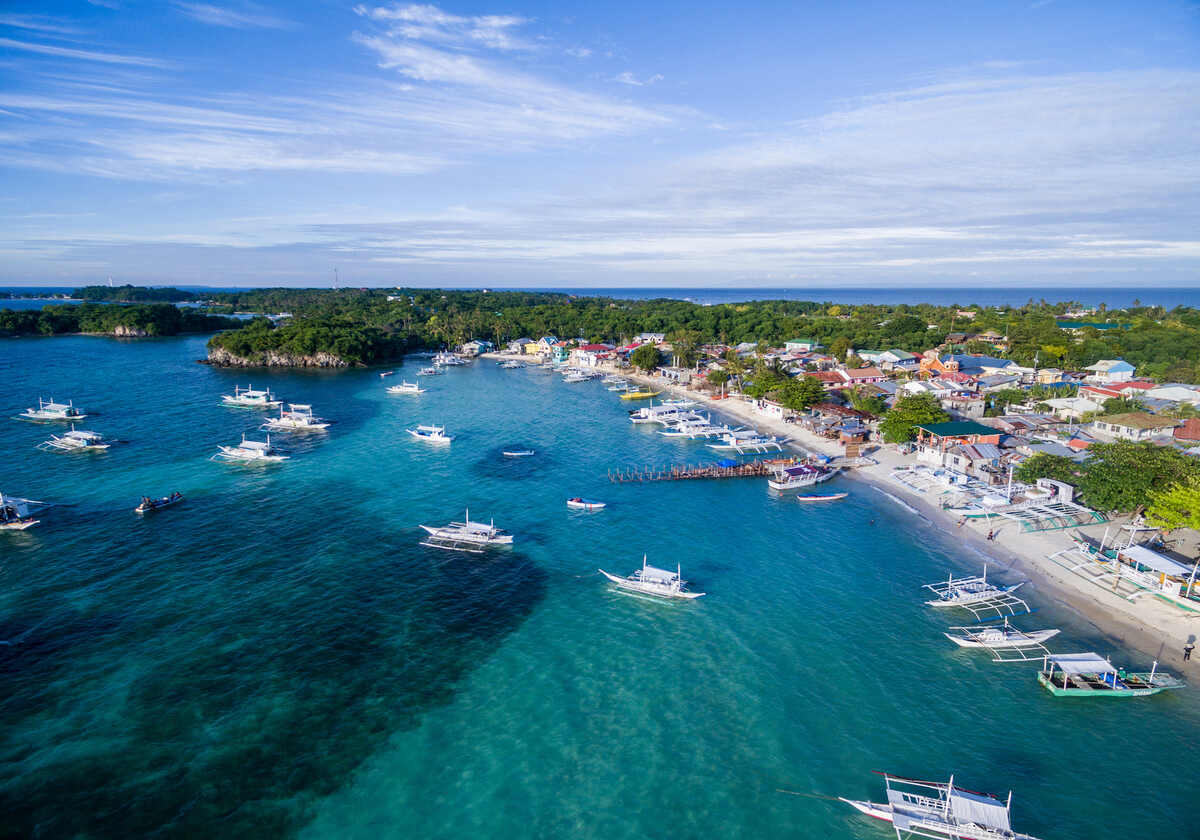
<point x="1042" y="143"/>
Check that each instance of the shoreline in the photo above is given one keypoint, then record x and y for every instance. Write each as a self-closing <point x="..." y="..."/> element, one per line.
<point x="1151" y="626"/>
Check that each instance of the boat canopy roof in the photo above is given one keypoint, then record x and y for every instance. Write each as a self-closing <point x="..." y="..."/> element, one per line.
<point x="300" y="407"/>
<point x="259" y="445"/>
<point x="802" y="469"/>
<point x="1082" y="663"/>
<point x="979" y="809"/>
<point x="652" y="573"/>
<point x="1153" y="560"/>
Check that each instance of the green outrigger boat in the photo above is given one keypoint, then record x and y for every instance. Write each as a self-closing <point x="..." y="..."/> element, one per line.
<point x="1091" y="675"/>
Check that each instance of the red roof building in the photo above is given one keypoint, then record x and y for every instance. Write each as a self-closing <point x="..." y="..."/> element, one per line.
<point x="1189" y="431"/>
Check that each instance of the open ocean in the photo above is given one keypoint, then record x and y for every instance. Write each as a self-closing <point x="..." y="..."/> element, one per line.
<point x="278" y="657"/>
<point x="1168" y="297"/>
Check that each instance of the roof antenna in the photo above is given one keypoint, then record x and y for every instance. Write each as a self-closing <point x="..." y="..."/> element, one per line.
<point x="335" y="279"/>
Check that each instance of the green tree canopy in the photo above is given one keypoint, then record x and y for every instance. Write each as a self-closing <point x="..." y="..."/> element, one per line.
<point x="1044" y="465"/>
<point x="898" y="425"/>
<point x="1121" y="476"/>
<point x="1177" y="506"/>
<point x="646" y="357"/>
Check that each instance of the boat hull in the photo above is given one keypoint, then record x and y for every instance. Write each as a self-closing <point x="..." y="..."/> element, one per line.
<point x="583" y="504"/>
<point x="1024" y="640"/>
<point x="832" y="497"/>
<point x="627" y="585"/>
<point x="1131" y="691"/>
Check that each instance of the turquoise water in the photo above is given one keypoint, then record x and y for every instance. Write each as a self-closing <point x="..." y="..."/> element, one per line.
<point x="279" y="656"/>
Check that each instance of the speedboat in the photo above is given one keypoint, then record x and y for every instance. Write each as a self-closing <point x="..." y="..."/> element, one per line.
<point x="517" y="453"/>
<point x="76" y="440"/>
<point x="149" y="505"/>
<point x="429" y="371"/>
<point x="297" y="418"/>
<point x="466" y="535"/>
<point x="250" y="452"/>
<point x="431" y="434"/>
<point x="386" y="373"/>
<point x="406" y="387"/>
<point x="651" y="581"/>
<point x="251" y="398"/>
<point x="585" y="504"/>
<point x="51" y="410"/>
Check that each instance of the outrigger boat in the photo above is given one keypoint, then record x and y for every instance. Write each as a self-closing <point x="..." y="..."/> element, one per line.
<point x="831" y="497"/>
<point x="1005" y="642"/>
<point x="746" y="440"/>
<point x="447" y="359"/>
<point x="466" y="536"/>
<point x="51" y="410"/>
<point x="250" y="452"/>
<point x="406" y="387"/>
<point x="517" y="453"/>
<point x="429" y="371"/>
<point x="940" y="810"/>
<point x="297" y="418"/>
<point x="651" y="581"/>
<point x="1091" y="675"/>
<point x="585" y="504"/>
<point x="431" y="434"/>
<point x="799" y="475"/>
<point x="977" y="596"/>
<point x="76" y="440"/>
<point x="250" y="398"/>
<point x="640" y="395"/>
<point x="149" y="505"/>
<point x="17" y="514"/>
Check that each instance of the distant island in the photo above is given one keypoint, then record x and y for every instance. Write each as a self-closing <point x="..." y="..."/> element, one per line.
<point x="136" y="321"/>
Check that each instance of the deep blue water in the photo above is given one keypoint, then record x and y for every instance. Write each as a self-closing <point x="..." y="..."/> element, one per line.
<point x="279" y="657"/>
<point x="982" y="295"/>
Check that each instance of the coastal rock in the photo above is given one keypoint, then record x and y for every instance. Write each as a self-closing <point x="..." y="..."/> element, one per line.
<point x="270" y="358"/>
<point x="122" y="331"/>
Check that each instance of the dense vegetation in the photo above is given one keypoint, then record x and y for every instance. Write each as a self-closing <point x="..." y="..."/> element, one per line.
<point x="154" y="319"/>
<point x="1122" y="476"/>
<point x="900" y="424"/>
<point x="347" y="340"/>
<point x="133" y="294"/>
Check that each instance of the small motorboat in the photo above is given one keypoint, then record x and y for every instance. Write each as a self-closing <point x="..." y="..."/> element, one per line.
<point x="431" y="434"/>
<point x="148" y="505"/>
<point x="585" y="504"/>
<point x="429" y="371"/>
<point x="517" y="453"/>
<point x="386" y="373"/>
<point x="831" y="497"/>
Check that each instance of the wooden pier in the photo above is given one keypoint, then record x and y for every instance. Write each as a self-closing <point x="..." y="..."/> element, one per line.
<point x="681" y="472"/>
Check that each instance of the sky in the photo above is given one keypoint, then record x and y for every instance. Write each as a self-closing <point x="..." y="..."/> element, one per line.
<point x="648" y="144"/>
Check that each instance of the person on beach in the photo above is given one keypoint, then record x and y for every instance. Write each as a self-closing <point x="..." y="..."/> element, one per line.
<point x="991" y="536"/>
<point x="1187" y="651"/>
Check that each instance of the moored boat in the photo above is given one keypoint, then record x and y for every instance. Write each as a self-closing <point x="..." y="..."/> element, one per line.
<point x="250" y="452"/>
<point x="51" y="410"/>
<point x="431" y="434"/>
<point x="649" y="580"/>
<point x="917" y="808"/>
<point x="640" y="395"/>
<point x="466" y="535"/>
<point x="386" y="373"/>
<point x="17" y="514"/>
<point x="76" y="440"/>
<point x="149" y="505"/>
<point x="799" y="475"/>
<point x="1003" y="636"/>
<point x="298" y="417"/>
<point x="429" y="371"/>
<point x="1091" y="675"/>
<point x="830" y="497"/>
<point x="517" y="453"/>
<point x="406" y="387"/>
<point x="251" y="397"/>
<point x="579" y="503"/>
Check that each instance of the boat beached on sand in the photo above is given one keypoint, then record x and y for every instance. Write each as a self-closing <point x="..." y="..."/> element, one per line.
<point x="466" y="536"/>
<point x="149" y="505"/>
<point x="250" y="397"/>
<point x="649" y="580"/>
<point x="51" y="410"/>
<point x="917" y="808"/>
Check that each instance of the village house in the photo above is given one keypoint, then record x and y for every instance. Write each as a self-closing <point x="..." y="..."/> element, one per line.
<point x="963" y="406"/>
<point x="1135" y="426"/>
<point x="979" y="365"/>
<point x="860" y="376"/>
<point x="830" y="380"/>
<point x="1175" y="392"/>
<point x="978" y="460"/>
<point x="590" y="355"/>
<point x="544" y="346"/>
<point x="955" y="432"/>
<point x="998" y="382"/>
<point x="1048" y="376"/>
<point x="474" y="348"/>
<point x="801" y="345"/>
<point x="650" y="338"/>
<point x="931" y="364"/>
<point x="519" y="345"/>
<point x="1110" y="370"/>
<point x="1188" y="433"/>
<point x="1073" y="408"/>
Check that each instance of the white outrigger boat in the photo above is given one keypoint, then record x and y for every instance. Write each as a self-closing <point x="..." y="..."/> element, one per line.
<point x="661" y="414"/>
<point x="940" y="810"/>
<point x="250" y="452"/>
<point x="746" y="440"/>
<point x="76" y="440"/>
<point x="406" y="387"/>
<point x="447" y="359"/>
<point x="978" y="596"/>
<point x="298" y="418"/>
<point x="579" y="503"/>
<point x="51" y="410"/>
<point x="431" y="434"/>
<point x="250" y="398"/>
<point x="17" y="514"/>
<point x="466" y="536"/>
<point x="649" y="580"/>
<point x="800" y="475"/>
<point x="429" y="371"/>
<point x="1005" y="642"/>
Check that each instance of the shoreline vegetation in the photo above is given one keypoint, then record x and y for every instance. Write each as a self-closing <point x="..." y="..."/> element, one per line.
<point x="133" y="321"/>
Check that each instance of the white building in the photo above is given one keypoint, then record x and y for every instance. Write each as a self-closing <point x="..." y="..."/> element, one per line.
<point x="1110" y="370"/>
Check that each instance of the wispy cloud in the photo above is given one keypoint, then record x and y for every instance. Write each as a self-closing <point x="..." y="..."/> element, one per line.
<point x="39" y="23"/>
<point x="82" y="55"/>
<point x="248" y="16"/>
<point x="429" y="23"/>
<point x="627" y="78"/>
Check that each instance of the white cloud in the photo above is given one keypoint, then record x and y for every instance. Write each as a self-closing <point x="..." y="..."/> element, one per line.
<point x="249" y="16"/>
<point x="578" y="52"/>
<point x="429" y="23"/>
<point x="82" y="55"/>
<point x="38" y="23"/>
<point x="627" y="78"/>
